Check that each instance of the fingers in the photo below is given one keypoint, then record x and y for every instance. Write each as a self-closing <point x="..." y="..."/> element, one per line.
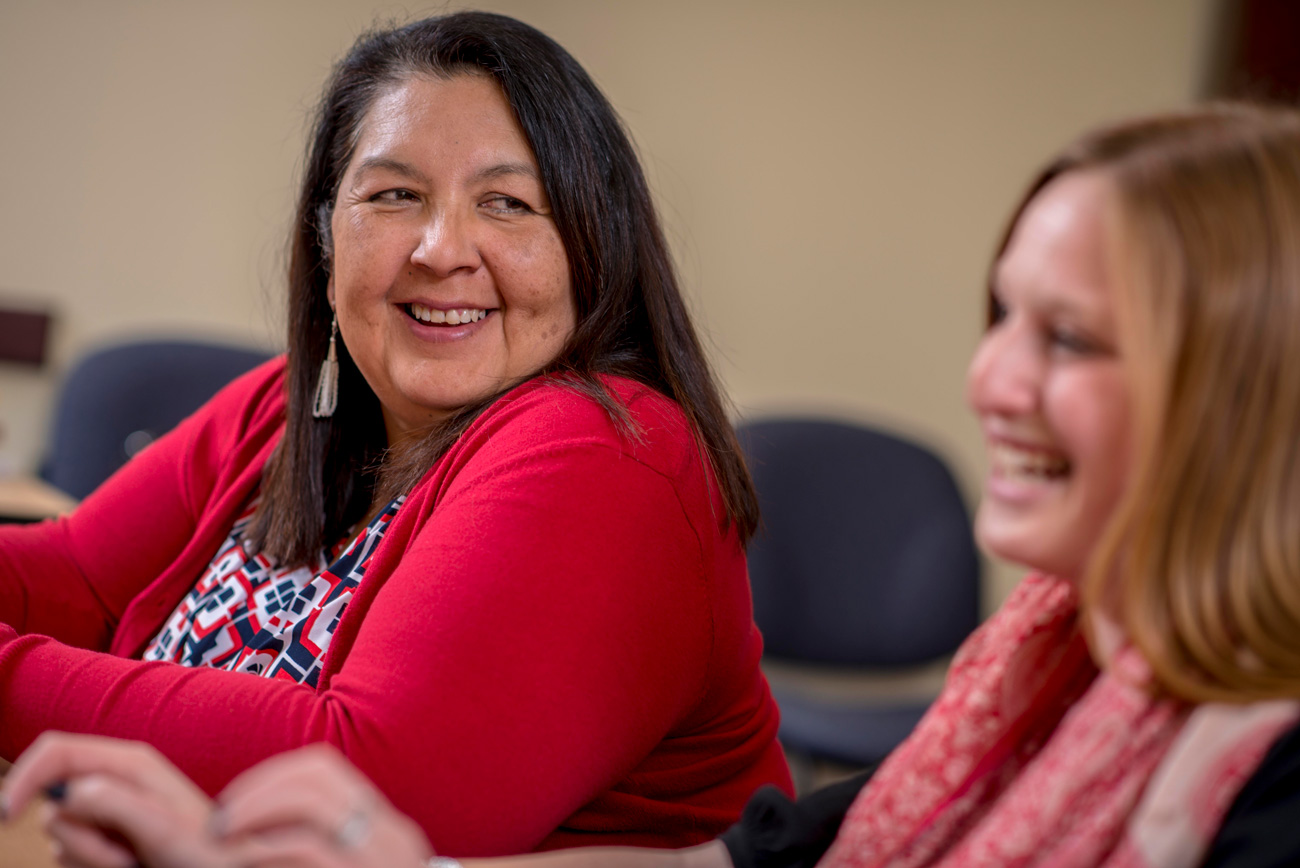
<point x="291" y="850"/>
<point x="56" y="757"/>
<point x="48" y="762"/>
<point x="314" y="787"/>
<point x="391" y="847"/>
<point x="312" y="808"/>
<point x="110" y="803"/>
<point x="82" y="846"/>
<point x="291" y="808"/>
<point x="117" y="798"/>
<point x="162" y="833"/>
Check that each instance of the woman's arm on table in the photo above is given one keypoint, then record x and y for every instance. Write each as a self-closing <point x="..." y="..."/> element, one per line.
<point x="278" y="809"/>
<point x="535" y="637"/>
<point x="122" y="802"/>
<point x="294" y="809"/>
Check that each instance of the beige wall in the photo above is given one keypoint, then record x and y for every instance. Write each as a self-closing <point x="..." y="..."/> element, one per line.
<point x="832" y="173"/>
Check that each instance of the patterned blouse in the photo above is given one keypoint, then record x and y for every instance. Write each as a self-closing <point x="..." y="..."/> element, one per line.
<point x="249" y="614"/>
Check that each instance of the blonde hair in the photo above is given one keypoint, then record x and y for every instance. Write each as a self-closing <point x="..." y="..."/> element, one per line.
<point x="1201" y="559"/>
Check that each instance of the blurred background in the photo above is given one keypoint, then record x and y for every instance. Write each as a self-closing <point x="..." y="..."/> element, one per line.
<point x="833" y="173"/>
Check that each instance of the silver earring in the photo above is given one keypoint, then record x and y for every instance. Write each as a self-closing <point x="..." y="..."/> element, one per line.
<point x="327" y="387"/>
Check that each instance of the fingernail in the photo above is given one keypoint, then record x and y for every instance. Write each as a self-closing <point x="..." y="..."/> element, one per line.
<point x="57" y="791"/>
<point x="4" y="806"/>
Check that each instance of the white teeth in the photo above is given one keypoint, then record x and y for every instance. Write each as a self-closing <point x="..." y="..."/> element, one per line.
<point x="456" y="316"/>
<point x="1011" y="462"/>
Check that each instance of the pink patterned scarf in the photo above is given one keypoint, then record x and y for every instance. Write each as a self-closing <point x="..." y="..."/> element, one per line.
<point x="1030" y="757"/>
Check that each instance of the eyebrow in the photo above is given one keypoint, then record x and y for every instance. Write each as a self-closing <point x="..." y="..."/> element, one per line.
<point x="503" y="169"/>
<point x="406" y="170"/>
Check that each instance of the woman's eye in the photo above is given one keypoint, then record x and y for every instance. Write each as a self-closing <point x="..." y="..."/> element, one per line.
<point x="997" y="311"/>
<point x="393" y="196"/>
<point x="506" y="205"/>
<point x="1073" y="342"/>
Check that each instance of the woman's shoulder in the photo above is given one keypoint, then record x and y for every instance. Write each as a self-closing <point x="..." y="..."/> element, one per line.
<point x="570" y="393"/>
<point x="551" y="412"/>
<point x="550" y="424"/>
<point x="1258" y="829"/>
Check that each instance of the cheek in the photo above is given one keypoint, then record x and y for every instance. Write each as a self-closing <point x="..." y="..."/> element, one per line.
<point x="535" y="281"/>
<point x="369" y="254"/>
<point x="1091" y="415"/>
<point x="552" y="317"/>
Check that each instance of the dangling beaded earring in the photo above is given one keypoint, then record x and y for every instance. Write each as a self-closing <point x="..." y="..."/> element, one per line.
<point x="327" y="387"/>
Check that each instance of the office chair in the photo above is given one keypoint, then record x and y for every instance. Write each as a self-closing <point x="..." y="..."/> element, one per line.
<point x="117" y="400"/>
<point x="865" y="562"/>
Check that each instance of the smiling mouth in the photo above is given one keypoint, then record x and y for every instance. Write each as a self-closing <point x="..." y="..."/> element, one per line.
<point x="1010" y="462"/>
<point x="434" y="316"/>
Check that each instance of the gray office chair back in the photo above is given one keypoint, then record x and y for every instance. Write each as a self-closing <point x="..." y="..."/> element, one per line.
<point x="865" y="556"/>
<point x="865" y="561"/>
<point x="116" y="400"/>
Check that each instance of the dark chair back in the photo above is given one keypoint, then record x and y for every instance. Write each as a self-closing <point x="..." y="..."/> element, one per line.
<point x="865" y="561"/>
<point x="866" y="555"/>
<point x="117" y="400"/>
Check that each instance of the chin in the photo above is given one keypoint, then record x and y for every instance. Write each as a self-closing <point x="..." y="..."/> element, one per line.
<point x="1034" y="547"/>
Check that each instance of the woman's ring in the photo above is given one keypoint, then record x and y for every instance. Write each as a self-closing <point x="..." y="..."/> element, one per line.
<point x="353" y="831"/>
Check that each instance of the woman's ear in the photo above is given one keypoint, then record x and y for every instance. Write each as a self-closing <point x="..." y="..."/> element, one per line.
<point x="325" y="231"/>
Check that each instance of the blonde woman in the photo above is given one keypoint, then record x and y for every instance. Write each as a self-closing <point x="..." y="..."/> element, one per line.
<point x="1134" y="702"/>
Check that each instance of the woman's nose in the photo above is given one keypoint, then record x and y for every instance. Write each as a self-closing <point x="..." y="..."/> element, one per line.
<point x="1005" y="374"/>
<point x="447" y="244"/>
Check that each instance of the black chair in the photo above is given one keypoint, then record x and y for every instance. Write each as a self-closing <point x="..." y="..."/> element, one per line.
<point x="865" y="563"/>
<point x="117" y="400"/>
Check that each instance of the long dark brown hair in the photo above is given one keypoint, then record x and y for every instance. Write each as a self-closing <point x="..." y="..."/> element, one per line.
<point x="631" y="318"/>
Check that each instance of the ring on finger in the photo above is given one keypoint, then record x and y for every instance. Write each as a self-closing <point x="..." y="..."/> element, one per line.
<point x="353" y="831"/>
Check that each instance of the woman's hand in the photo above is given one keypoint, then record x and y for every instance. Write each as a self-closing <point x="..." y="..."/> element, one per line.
<point x="114" y="804"/>
<point x="311" y="807"/>
<point x="117" y="804"/>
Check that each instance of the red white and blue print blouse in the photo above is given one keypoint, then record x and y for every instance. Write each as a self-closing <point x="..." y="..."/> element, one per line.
<point x="248" y="614"/>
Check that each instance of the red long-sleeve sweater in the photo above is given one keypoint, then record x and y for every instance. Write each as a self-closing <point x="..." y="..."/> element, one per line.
<point x="552" y="646"/>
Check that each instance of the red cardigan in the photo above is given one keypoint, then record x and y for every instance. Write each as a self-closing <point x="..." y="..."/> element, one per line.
<point x="552" y="646"/>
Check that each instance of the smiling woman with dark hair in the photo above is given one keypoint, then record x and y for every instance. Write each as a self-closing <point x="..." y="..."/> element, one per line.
<point x="482" y="529"/>
<point x="628" y="316"/>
